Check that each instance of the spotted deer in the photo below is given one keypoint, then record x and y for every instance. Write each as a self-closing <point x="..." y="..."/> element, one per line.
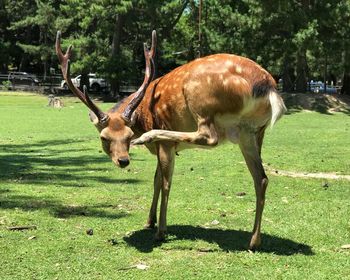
<point x="200" y="104"/>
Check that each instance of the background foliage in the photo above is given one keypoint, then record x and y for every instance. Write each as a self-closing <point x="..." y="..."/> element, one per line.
<point x="295" y="40"/>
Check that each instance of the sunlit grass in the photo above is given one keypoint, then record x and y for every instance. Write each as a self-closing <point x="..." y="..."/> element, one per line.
<point x="53" y="175"/>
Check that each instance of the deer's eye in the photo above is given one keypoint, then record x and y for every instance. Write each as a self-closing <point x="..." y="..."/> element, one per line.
<point x="103" y="138"/>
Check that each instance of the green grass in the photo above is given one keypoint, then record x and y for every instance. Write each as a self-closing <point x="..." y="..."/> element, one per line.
<point x="54" y="175"/>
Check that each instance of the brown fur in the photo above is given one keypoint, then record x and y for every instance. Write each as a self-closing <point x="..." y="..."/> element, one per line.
<point x="171" y="102"/>
<point x="201" y="103"/>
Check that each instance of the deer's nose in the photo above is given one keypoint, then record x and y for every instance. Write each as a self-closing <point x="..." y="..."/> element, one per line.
<point x="123" y="162"/>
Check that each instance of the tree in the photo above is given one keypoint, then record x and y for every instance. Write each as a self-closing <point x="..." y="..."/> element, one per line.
<point x="15" y="11"/>
<point x="295" y="40"/>
<point x="342" y="13"/>
<point x="4" y="38"/>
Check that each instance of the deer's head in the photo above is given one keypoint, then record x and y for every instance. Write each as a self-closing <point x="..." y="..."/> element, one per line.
<point x="114" y="128"/>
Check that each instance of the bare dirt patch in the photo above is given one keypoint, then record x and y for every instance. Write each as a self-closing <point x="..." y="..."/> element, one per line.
<point x="320" y="175"/>
<point x="319" y="102"/>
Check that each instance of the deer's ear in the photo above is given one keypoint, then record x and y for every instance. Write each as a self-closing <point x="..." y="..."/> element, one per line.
<point x="97" y="123"/>
<point x="93" y="118"/>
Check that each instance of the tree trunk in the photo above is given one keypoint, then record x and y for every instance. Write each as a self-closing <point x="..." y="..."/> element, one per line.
<point x="325" y="74"/>
<point x="23" y="63"/>
<point x="84" y="80"/>
<point x="287" y="75"/>
<point x="115" y="81"/>
<point x="345" y="89"/>
<point x="45" y="69"/>
<point x="46" y="56"/>
<point x="200" y="28"/>
<point x="346" y="78"/>
<point x="302" y="70"/>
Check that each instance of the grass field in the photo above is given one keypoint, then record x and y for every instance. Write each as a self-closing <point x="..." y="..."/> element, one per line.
<point x="54" y="176"/>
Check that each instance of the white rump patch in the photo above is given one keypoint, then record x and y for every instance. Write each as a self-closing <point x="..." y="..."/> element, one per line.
<point x="277" y="106"/>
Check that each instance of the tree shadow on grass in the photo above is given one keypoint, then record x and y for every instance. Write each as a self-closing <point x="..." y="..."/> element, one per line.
<point x="227" y="240"/>
<point x="42" y="163"/>
<point x="56" y="209"/>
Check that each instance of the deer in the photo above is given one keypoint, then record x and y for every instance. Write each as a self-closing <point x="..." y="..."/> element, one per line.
<point x="210" y="100"/>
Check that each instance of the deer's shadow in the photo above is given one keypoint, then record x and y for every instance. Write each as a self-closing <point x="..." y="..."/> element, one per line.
<point x="227" y="240"/>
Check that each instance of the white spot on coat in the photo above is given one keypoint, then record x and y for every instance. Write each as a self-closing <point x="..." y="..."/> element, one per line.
<point x="209" y="80"/>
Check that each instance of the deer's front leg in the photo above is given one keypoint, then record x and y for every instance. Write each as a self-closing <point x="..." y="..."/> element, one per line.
<point x="161" y="135"/>
<point x="166" y="160"/>
<point x="205" y="135"/>
<point x="152" y="218"/>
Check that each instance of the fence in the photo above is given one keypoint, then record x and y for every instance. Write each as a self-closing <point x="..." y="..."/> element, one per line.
<point x="50" y="84"/>
<point x="26" y="82"/>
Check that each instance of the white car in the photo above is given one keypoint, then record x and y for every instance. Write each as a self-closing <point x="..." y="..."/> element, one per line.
<point x="96" y="84"/>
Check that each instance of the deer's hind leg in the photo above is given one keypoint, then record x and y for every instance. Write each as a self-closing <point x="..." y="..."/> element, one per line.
<point x="250" y="145"/>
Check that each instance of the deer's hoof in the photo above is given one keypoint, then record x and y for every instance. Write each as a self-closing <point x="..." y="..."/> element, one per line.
<point x="137" y="141"/>
<point x="149" y="225"/>
<point x="254" y="244"/>
<point x="143" y="139"/>
<point x="160" y="237"/>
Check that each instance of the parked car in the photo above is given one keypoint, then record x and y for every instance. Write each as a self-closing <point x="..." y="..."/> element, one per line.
<point x="96" y="84"/>
<point x="23" y="78"/>
<point x="318" y="87"/>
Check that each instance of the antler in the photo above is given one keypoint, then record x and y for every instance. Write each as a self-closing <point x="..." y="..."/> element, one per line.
<point x="65" y="67"/>
<point x="149" y="76"/>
